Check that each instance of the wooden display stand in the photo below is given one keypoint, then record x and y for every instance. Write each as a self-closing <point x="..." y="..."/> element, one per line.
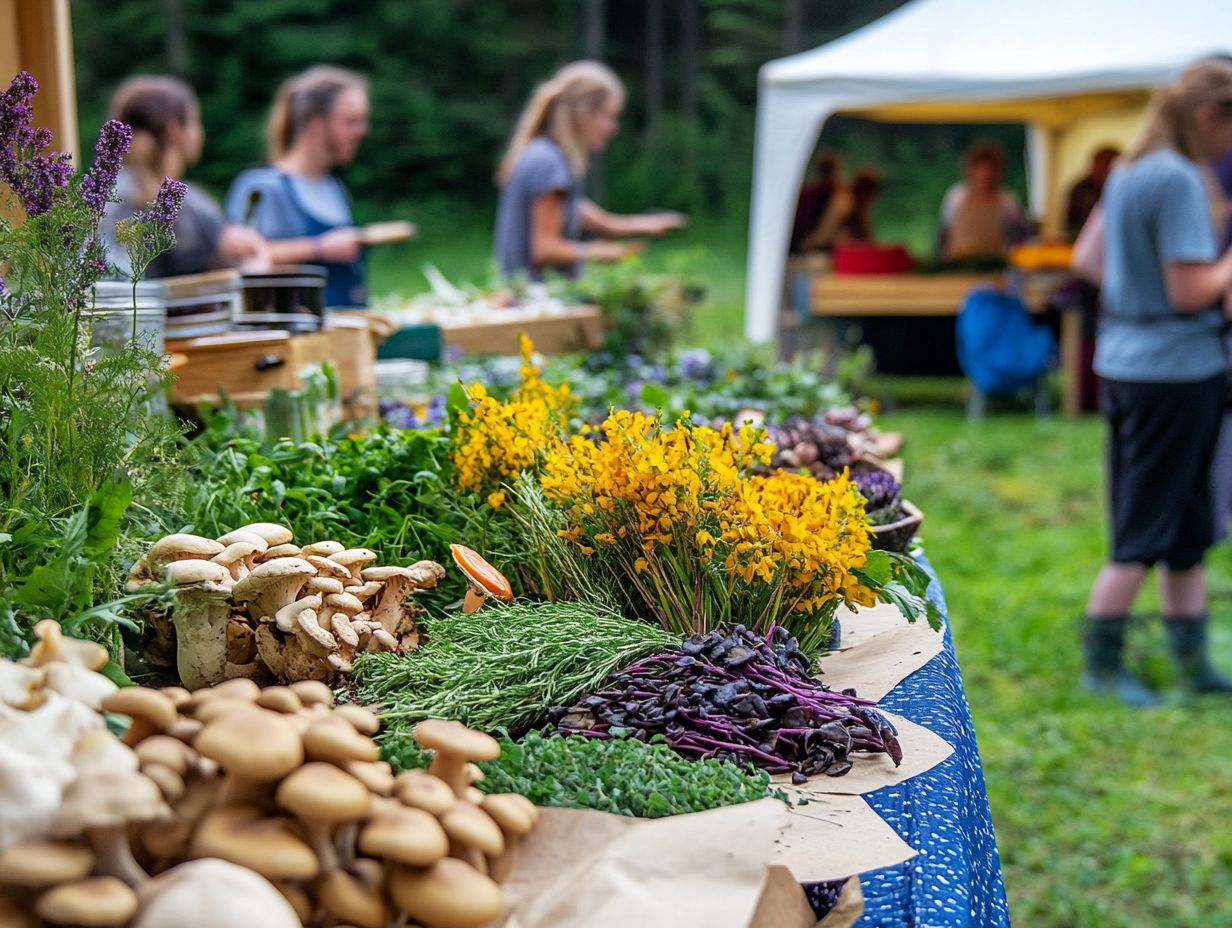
<point x="578" y="328"/>
<point x="248" y="365"/>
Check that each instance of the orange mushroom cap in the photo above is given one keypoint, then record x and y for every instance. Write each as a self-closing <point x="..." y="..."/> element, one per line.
<point x="481" y="573"/>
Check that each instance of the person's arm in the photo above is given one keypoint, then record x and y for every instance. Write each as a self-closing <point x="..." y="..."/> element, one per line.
<point x="1193" y="287"/>
<point x="548" y="246"/>
<point x="601" y="222"/>
<point x="837" y="211"/>
<point x="1087" y="260"/>
<point x="337" y="246"/>
<point x="261" y="205"/>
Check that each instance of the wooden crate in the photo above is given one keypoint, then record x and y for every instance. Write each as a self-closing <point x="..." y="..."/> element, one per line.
<point x="578" y="329"/>
<point x="247" y="365"/>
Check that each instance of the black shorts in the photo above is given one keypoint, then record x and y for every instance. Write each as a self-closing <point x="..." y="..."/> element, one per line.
<point x="1161" y="443"/>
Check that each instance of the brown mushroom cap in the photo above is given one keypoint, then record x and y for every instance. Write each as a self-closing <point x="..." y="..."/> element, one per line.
<point x="177" y="694"/>
<point x="409" y="836"/>
<point x="363" y="720"/>
<point x="170" y="783"/>
<point x="335" y="741"/>
<point x="167" y="751"/>
<point x="321" y="792"/>
<point x="469" y="826"/>
<point x="252" y="743"/>
<point x="37" y="862"/>
<point x="279" y="699"/>
<point x="240" y="688"/>
<point x="138" y="702"/>
<point x="269" y="846"/>
<point x="449" y="894"/>
<point x="214" y="708"/>
<point x="54" y="645"/>
<point x="420" y="789"/>
<point x="182" y="546"/>
<point x="313" y="692"/>
<point x="324" y="548"/>
<point x="97" y="902"/>
<point x="273" y="533"/>
<point x="349" y="900"/>
<point x="482" y="574"/>
<point x="378" y="776"/>
<point x="510" y="811"/>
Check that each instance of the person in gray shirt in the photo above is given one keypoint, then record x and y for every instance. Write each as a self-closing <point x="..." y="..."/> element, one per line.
<point x="543" y="215"/>
<point x="1160" y="352"/>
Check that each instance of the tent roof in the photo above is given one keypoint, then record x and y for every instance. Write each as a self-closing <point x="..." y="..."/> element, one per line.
<point x="1047" y="63"/>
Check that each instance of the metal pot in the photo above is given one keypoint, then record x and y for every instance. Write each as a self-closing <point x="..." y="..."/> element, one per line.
<point x="290" y="298"/>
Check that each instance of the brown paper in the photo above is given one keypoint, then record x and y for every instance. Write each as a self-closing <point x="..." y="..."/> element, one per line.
<point x="848" y="909"/>
<point x="593" y="869"/>
<point x="876" y="665"/>
<point x="861" y="625"/>
<point x="782" y="903"/>
<point x="922" y="750"/>
<point x="833" y="837"/>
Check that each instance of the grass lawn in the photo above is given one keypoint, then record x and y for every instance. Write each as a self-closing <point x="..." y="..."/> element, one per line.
<point x="1105" y="816"/>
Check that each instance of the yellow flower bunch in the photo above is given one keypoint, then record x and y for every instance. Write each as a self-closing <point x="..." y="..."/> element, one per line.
<point x="495" y="441"/>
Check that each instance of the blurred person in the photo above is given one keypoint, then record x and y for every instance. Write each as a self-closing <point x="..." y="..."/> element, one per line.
<point x="165" y="117"/>
<point x="814" y="198"/>
<point x="848" y="218"/>
<point x="543" y="215"/>
<point x="979" y="217"/>
<point x="1086" y="192"/>
<point x="316" y="124"/>
<point x="1154" y="245"/>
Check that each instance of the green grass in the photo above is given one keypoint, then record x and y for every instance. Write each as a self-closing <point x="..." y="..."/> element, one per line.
<point x="1105" y="816"/>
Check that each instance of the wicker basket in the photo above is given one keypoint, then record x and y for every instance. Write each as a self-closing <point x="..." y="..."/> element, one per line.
<point x="897" y="535"/>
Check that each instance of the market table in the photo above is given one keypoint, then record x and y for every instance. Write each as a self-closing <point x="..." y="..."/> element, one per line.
<point x="955" y="881"/>
<point x="821" y="293"/>
<point x="494" y="330"/>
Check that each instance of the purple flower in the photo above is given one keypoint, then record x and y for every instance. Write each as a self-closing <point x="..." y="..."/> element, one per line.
<point x="34" y="176"/>
<point x="879" y="488"/>
<point x="113" y="141"/>
<point x="166" y="206"/>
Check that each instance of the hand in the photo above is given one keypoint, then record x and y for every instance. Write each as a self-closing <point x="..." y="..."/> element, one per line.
<point x="240" y="245"/>
<point x="662" y="223"/>
<point x="339" y="246"/>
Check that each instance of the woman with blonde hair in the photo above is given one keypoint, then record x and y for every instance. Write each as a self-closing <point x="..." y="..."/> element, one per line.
<point x="543" y="214"/>
<point x="317" y="121"/>
<point x="165" y="117"/>
<point x="1153" y="245"/>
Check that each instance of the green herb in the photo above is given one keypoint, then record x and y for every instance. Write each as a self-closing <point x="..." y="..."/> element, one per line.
<point x="620" y="775"/>
<point x="503" y="667"/>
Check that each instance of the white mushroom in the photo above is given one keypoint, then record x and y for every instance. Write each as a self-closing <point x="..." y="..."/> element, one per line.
<point x="272" y="585"/>
<point x="212" y="893"/>
<point x="273" y="533"/>
<point x="288" y="616"/>
<point x="200" y="616"/>
<point x="323" y="548"/>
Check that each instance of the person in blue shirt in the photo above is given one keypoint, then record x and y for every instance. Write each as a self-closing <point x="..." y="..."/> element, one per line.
<point x="1165" y="280"/>
<point x="316" y="125"/>
<point x="543" y="214"/>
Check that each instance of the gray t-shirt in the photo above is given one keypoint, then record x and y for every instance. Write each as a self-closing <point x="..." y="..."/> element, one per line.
<point x="1156" y="211"/>
<point x="197" y="230"/>
<point x="276" y="215"/>
<point x="542" y="168"/>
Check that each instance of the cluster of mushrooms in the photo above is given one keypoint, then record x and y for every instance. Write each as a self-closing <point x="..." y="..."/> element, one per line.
<point x="243" y="806"/>
<point x="252" y="604"/>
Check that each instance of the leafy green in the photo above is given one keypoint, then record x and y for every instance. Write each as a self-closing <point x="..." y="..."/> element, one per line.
<point x="622" y="776"/>
<point x="899" y="579"/>
<point x="503" y="667"/>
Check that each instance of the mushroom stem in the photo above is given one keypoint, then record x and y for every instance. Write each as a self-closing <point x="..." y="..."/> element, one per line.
<point x="115" y="857"/>
<point x="200" y="619"/>
<point x="318" y="835"/>
<point x="451" y="768"/>
<point x="345" y="839"/>
<point x="475" y="598"/>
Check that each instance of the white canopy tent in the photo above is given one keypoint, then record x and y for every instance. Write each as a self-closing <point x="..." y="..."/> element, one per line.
<point x="1076" y="72"/>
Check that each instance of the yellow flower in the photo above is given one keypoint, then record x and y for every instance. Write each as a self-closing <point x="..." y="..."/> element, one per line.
<point x="497" y="499"/>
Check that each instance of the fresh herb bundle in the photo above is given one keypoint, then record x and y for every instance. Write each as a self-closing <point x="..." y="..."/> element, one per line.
<point x="621" y="776"/>
<point x="504" y="667"/>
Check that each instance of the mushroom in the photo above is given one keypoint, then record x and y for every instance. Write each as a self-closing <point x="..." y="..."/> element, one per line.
<point x="240" y="535"/>
<point x="329" y="568"/>
<point x="454" y="744"/>
<point x="406" y="835"/>
<point x="287" y="617"/>
<point x="243" y="690"/>
<point x="335" y="741"/>
<point x="269" y="846"/>
<point x="350" y="900"/>
<point x="239" y="557"/>
<point x="468" y="826"/>
<point x="101" y="802"/>
<point x="38" y="862"/>
<point x="323" y="548"/>
<point x="151" y="711"/>
<point x="77" y="683"/>
<point x="253" y="746"/>
<point x="14" y="916"/>
<point x="321" y="796"/>
<point x="273" y="533"/>
<point x="29" y="793"/>
<point x="325" y="585"/>
<point x="21" y="686"/>
<point x="376" y="775"/>
<point x="420" y="789"/>
<point x="279" y="699"/>
<point x="213" y="894"/>
<point x="313" y="693"/>
<point x="99" y="746"/>
<point x="54" y="645"/>
<point x="170" y="783"/>
<point x="365" y="591"/>
<point x="276" y="551"/>
<point x="482" y="579"/>
<point x="272" y="585"/>
<point x="516" y="816"/>
<point x="200" y="617"/>
<point x="96" y="902"/>
<point x="364" y="720"/>
<point x="354" y="559"/>
<point x="449" y="894"/>
<point x="167" y="752"/>
<point x="181" y="547"/>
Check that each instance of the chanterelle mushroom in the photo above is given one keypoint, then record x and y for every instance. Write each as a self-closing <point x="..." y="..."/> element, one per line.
<point x="272" y="585"/>
<point x="482" y="579"/>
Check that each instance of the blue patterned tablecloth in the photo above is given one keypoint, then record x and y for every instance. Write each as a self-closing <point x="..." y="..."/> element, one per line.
<point x="955" y="882"/>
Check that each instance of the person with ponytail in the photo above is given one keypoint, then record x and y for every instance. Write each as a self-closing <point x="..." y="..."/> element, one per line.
<point x="543" y="214"/>
<point x="316" y="124"/>
<point x="1154" y="245"/>
<point x="167" y="139"/>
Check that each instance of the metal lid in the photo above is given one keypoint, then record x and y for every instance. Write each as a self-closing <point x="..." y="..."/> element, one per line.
<point x="118" y="294"/>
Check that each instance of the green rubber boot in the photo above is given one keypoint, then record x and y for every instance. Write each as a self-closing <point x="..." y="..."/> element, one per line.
<point x="1188" y="639"/>
<point x="1103" y="645"/>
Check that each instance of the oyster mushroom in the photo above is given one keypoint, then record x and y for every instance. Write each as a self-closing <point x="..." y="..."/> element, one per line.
<point x="287" y="618"/>
<point x="54" y="645"/>
<point x="354" y="559"/>
<point x="482" y="579"/>
<point x="276" y="551"/>
<point x="272" y="585"/>
<point x="180" y="547"/>
<point x="239" y="557"/>
<point x="273" y="533"/>
<point x="329" y="568"/>
<point x="323" y="548"/>
<point x="325" y="585"/>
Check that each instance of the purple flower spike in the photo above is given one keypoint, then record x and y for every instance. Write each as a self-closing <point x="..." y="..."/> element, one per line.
<point x="33" y="176"/>
<point x="109" y="152"/>
<point x="166" y="206"/>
